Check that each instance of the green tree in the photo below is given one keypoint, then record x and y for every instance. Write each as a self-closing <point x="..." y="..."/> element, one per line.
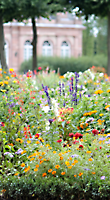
<point x="96" y="7"/>
<point x="37" y="8"/>
<point x="8" y="11"/>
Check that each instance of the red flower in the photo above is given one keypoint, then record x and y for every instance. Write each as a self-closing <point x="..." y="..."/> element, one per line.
<point x="80" y="146"/>
<point x="100" y="147"/>
<point x="37" y="135"/>
<point x="95" y="131"/>
<point x="39" y="68"/>
<point x="75" y="142"/>
<point x="71" y="135"/>
<point x="64" y="145"/>
<point x="59" y="140"/>
<point x="78" y="135"/>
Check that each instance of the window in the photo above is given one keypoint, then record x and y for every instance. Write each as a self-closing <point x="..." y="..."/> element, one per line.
<point x="27" y="50"/>
<point x="47" y="49"/>
<point x="65" y="49"/>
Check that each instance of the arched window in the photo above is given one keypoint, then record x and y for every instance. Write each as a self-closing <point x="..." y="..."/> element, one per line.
<point x="47" y="49"/>
<point x="27" y="50"/>
<point x="65" y="49"/>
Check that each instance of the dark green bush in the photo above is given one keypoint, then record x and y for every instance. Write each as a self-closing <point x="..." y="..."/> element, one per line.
<point x="67" y="64"/>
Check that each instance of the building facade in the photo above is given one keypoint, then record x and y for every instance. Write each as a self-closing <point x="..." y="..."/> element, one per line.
<point x="60" y="36"/>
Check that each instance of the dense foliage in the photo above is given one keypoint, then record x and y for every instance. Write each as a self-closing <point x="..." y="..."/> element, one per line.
<point x="55" y="141"/>
<point x="67" y="64"/>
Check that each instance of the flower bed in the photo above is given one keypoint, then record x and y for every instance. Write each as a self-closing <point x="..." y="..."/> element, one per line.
<point x="55" y="142"/>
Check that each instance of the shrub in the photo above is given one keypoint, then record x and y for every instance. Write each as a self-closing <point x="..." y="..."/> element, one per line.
<point x="67" y="64"/>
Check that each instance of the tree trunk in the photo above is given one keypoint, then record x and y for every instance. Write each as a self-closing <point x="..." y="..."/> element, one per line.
<point x="34" y="42"/>
<point x="108" y="67"/>
<point x="2" y="51"/>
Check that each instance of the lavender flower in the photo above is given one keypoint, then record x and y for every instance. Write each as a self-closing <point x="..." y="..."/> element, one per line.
<point x="19" y="151"/>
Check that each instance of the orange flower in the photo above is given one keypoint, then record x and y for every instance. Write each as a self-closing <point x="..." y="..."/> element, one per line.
<point x="70" y="167"/>
<point x="44" y="174"/>
<point x="50" y="170"/>
<point x="75" y="175"/>
<point x="54" y="172"/>
<point x="75" y="161"/>
<point x="41" y="161"/>
<point x="67" y="163"/>
<point x="61" y="158"/>
<point x="27" y="169"/>
<point x="23" y="165"/>
<point x="36" y="169"/>
<point x="37" y="166"/>
<point x="90" y="159"/>
<point x="63" y="173"/>
<point x="57" y="166"/>
<point x="16" y="174"/>
<point x="80" y="174"/>
<point x="93" y="172"/>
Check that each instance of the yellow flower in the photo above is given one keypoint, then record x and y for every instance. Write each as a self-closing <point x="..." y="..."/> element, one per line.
<point x="54" y="152"/>
<point x="63" y="173"/>
<point x="11" y="70"/>
<point x="88" y="152"/>
<point x="61" y="77"/>
<point x="67" y="163"/>
<point x="101" y="114"/>
<point x="57" y="166"/>
<point x="108" y="91"/>
<point x="107" y="106"/>
<point x="36" y="169"/>
<point x="90" y="159"/>
<point x="27" y="169"/>
<point x="6" y="82"/>
<point x="80" y="174"/>
<point x="28" y="141"/>
<point x="50" y="170"/>
<point x="44" y="174"/>
<point x="98" y="92"/>
<point x="19" y="140"/>
<point x="23" y="165"/>
<point x="37" y="142"/>
<point x="23" y="152"/>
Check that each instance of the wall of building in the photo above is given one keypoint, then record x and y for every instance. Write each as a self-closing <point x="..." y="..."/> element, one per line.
<point x="61" y="28"/>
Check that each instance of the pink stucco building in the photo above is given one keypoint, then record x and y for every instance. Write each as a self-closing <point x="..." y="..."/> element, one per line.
<point x="62" y="36"/>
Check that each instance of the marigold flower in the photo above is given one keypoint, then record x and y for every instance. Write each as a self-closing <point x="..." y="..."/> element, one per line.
<point x="93" y="172"/>
<point x="75" y="175"/>
<point x="88" y="152"/>
<point x="37" y="166"/>
<point x="54" y="152"/>
<point x="57" y="166"/>
<point x="62" y="173"/>
<point x="61" y="158"/>
<point x="50" y="170"/>
<point x="75" y="161"/>
<point x="54" y="172"/>
<point x="36" y="169"/>
<point x="67" y="163"/>
<point x="80" y="174"/>
<point x="23" y="165"/>
<point x="16" y="174"/>
<point x="69" y="167"/>
<point x="44" y="174"/>
<point x="27" y="169"/>
<point x="90" y="159"/>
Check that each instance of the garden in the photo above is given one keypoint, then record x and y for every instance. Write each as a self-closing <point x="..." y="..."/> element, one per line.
<point x="54" y="135"/>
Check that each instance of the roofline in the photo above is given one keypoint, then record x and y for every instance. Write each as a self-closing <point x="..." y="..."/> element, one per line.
<point x="76" y="26"/>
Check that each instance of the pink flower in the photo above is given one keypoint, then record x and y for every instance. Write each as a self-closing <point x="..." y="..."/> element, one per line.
<point x="75" y="142"/>
<point x="95" y="131"/>
<point x="39" y="68"/>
